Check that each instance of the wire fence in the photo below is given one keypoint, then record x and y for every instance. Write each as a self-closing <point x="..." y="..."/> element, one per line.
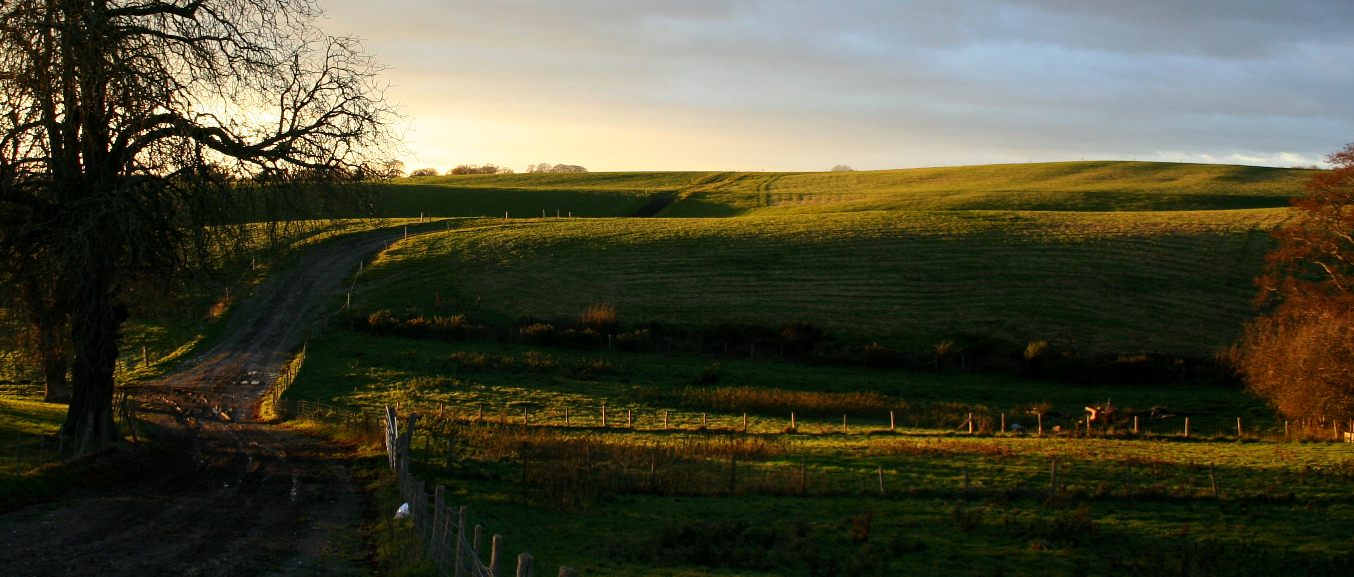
<point x="447" y="538"/>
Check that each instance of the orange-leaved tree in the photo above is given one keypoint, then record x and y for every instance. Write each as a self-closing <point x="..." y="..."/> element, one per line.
<point x="1300" y="355"/>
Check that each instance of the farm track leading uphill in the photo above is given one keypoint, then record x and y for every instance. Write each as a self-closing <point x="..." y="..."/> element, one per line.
<point x="233" y="496"/>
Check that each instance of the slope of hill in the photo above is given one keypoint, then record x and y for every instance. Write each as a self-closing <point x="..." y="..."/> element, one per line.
<point x="1067" y="186"/>
<point x="1173" y="282"/>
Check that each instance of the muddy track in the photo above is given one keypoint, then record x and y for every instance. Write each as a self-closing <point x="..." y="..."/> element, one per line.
<point x="230" y="496"/>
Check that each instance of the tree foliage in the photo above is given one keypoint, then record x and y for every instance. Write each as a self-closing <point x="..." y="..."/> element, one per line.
<point x="133" y="132"/>
<point x="1300" y="356"/>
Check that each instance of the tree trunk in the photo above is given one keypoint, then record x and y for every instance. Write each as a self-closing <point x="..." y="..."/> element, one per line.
<point x="54" y="367"/>
<point x="54" y="363"/>
<point x="94" y="331"/>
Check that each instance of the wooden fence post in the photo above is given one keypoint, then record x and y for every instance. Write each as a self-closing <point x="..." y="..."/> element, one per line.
<point x="844" y="429"/>
<point x="705" y="424"/>
<point x="1003" y="423"/>
<point x="566" y="416"/>
<point x="629" y="419"/>
<point x="524" y="563"/>
<point x="495" y="555"/>
<point x="1041" y="423"/>
<point x="665" y="420"/>
<point x="892" y="424"/>
<point x="970" y="423"/>
<point x="603" y="415"/>
<point x="439" y="511"/>
<point x="1135" y="424"/>
<point x="1238" y="426"/>
<point x="793" y="427"/>
<point x="1186" y="427"/>
<point x="745" y="423"/>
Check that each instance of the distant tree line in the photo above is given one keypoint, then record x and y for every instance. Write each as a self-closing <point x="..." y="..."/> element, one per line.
<point x="557" y="168"/>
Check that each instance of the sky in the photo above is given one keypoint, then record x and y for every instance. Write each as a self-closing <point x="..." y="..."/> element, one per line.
<point x="802" y="85"/>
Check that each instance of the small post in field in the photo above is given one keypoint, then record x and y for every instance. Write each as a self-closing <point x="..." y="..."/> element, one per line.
<point x="524" y="565"/>
<point x="793" y="427"/>
<point x="1186" y="427"/>
<point x="892" y="424"/>
<point x="629" y="420"/>
<point x="1041" y="423"/>
<point x="495" y="554"/>
<point x="566" y="416"/>
<point x="145" y="357"/>
<point x="704" y="423"/>
<point x="604" y="424"/>
<point x="505" y="216"/>
<point x="665" y="420"/>
<point x="844" y="429"/>
<point x="745" y="422"/>
<point x="1285" y="429"/>
<point x="526" y="415"/>
<point x="970" y="423"/>
<point x="1003" y="423"/>
<point x="1238" y="426"/>
<point x="1135" y="424"/>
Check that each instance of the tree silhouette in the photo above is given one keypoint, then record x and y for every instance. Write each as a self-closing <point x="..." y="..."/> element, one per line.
<point x="133" y="133"/>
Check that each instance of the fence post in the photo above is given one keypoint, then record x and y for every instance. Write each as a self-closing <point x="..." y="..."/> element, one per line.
<point x="1041" y="423"/>
<point x="1135" y="424"/>
<point x="524" y="562"/>
<point x="629" y="419"/>
<point x="495" y="554"/>
<point x="970" y="423"/>
<point x="439" y="514"/>
<point x="705" y="423"/>
<point x="603" y="415"/>
<point x="1186" y="427"/>
<point x="892" y="424"/>
<point x="792" y="422"/>
<point x="566" y="416"/>
<point x="1003" y="423"/>
<point x="460" y="539"/>
<point x="745" y="423"/>
<point x="844" y="429"/>
<point x="665" y="420"/>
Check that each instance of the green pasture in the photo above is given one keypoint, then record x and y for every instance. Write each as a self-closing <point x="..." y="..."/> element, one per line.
<point x="1063" y="186"/>
<point x="1126" y="282"/>
<point x="952" y="503"/>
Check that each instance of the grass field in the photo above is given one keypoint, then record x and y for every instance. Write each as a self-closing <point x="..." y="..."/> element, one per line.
<point x="1068" y="186"/>
<point x="1164" y="282"/>
<point x="1108" y="258"/>
<point x="645" y="500"/>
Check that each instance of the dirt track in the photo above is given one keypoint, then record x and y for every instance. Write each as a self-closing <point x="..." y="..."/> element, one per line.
<point x="237" y="497"/>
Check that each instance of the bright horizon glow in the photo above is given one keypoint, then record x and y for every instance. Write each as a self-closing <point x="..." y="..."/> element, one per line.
<point x="617" y="85"/>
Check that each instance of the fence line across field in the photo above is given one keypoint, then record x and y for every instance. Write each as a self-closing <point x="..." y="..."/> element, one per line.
<point x="640" y="418"/>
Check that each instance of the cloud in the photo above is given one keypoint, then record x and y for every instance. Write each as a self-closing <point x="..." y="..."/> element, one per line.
<point x="874" y="84"/>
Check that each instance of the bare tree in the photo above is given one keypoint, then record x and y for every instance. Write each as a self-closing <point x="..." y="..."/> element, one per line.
<point x="842" y="168"/>
<point x="132" y="132"/>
